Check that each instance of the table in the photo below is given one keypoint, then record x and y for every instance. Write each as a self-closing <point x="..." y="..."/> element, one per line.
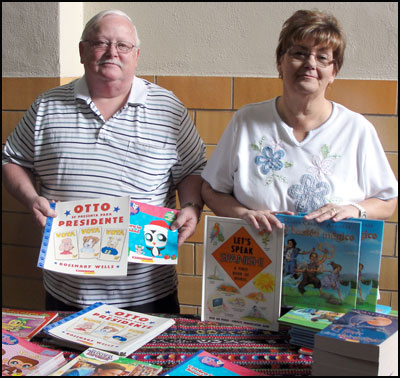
<point x="266" y="352"/>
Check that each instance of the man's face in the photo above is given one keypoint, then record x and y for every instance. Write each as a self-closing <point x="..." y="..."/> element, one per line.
<point x="109" y="64"/>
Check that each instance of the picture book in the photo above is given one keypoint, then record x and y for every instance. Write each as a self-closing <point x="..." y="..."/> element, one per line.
<point x="21" y="357"/>
<point x="370" y="263"/>
<point x="360" y="334"/>
<point x="108" y="328"/>
<point x="309" y="318"/>
<point x="242" y="274"/>
<point x="88" y="237"/>
<point x="151" y="240"/>
<point x="206" y="364"/>
<point x="320" y="263"/>
<point x="25" y="324"/>
<point x="96" y="362"/>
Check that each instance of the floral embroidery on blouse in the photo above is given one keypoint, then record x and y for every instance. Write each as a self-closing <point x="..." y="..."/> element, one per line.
<point x="322" y="166"/>
<point x="310" y="194"/>
<point x="270" y="160"/>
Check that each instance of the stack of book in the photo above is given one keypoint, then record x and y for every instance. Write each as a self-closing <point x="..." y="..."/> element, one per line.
<point x="359" y="343"/>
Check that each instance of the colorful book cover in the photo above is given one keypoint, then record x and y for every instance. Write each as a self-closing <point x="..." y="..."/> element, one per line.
<point x="320" y="264"/>
<point x="95" y="362"/>
<point x="309" y="318"/>
<point x="21" y="357"/>
<point x="242" y="274"/>
<point x="108" y="328"/>
<point x="151" y="240"/>
<point x="23" y="323"/>
<point x="88" y="237"/>
<point x="370" y="263"/>
<point x="206" y="364"/>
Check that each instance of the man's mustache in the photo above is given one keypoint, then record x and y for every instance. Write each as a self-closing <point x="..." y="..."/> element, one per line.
<point x="110" y="61"/>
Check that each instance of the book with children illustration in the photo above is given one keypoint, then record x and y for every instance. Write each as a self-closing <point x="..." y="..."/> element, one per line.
<point x="242" y="274"/>
<point x="151" y="240"/>
<point x="23" y="358"/>
<point x="88" y="237"/>
<point x="96" y="362"/>
<point x="108" y="328"/>
<point x="23" y="323"/>
<point x="320" y="263"/>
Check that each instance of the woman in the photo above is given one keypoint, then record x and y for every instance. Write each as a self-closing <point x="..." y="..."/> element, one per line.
<point x="301" y="153"/>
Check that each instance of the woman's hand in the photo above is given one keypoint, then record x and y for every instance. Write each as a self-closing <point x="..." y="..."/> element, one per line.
<point x="334" y="212"/>
<point x="263" y="219"/>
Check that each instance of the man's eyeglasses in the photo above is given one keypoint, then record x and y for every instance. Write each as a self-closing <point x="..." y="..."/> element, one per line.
<point x="301" y="54"/>
<point x="102" y="45"/>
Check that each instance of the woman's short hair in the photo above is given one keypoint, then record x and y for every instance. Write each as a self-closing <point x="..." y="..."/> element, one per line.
<point x="94" y="21"/>
<point x="322" y="27"/>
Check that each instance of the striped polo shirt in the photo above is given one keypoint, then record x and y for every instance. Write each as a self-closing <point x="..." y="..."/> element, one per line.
<point x="144" y="150"/>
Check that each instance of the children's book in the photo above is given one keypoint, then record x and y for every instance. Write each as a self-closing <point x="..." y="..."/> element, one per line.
<point x="21" y="357"/>
<point x="108" y="328"/>
<point x="370" y="263"/>
<point x="96" y="362"/>
<point x="242" y="274"/>
<point x="207" y="364"/>
<point x="320" y="264"/>
<point x="151" y="240"/>
<point x="361" y="334"/>
<point x="88" y="237"/>
<point x="25" y="324"/>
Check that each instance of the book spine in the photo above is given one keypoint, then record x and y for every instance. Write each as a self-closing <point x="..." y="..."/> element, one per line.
<point x="73" y="316"/>
<point x="46" y="238"/>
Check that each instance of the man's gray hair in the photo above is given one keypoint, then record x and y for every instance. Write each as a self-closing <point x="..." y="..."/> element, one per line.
<point x="93" y="22"/>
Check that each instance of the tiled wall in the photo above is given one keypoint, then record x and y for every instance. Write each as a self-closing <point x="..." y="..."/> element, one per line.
<point x="212" y="102"/>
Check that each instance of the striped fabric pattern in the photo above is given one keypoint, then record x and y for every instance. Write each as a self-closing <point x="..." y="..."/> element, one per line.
<point x="144" y="150"/>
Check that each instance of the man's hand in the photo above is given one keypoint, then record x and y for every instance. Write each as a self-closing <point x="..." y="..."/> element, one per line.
<point x="41" y="209"/>
<point x="185" y="223"/>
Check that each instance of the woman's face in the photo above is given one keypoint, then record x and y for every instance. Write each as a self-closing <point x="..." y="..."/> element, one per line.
<point x="307" y="69"/>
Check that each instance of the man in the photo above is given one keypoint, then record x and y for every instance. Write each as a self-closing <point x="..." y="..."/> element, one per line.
<point x="108" y="133"/>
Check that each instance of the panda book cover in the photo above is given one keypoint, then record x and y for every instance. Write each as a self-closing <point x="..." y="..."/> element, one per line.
<point x="151" y="240"/>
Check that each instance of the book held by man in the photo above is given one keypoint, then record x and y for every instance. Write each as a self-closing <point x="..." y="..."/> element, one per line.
<point x="242" y="274"/>
<point x="108" y="328"/>
<point x="88" y="237"/>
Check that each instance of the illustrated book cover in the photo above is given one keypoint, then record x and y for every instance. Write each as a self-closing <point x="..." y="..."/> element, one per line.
<point x="242" y="274"/>
<point x="360" y="334"/>
<point x="96" y="362"/>
<point x="88" y="237"/>
<point x="207" y="364"/>
<point x="320" y="263"/>
<point x="22" y="357"/>
<point x="23" y="323"/>
<point x="108" y="328"/>
<point x="151" y="240"/>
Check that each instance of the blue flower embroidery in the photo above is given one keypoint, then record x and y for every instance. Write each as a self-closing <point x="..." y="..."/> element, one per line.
<point x="270" y="160"/>
<point x="309" y="194"/>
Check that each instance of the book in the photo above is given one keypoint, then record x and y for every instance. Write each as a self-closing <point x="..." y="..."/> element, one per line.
<point x="108" y="328"/>
<point x="320" y="263"/>
<point x="242" y="274"/>
<point x="22" y="357"/>
<point x="88" y="237"/>
<point x="151" y="240"/>
<point x="98" y="362"/>
<point x="23" y="323"/>
<point x="370" y="263"/>
<point x="206" y="364"/>
<point x="361" y="334"/>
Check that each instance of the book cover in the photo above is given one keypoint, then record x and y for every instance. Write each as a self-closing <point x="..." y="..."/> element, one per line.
<point x="242" y="274"/>
<point x="21" y="357"/>
<point x="96" y="362"/>
<point x="360" y="334"/>
<point x="23" y="323"/>
<point x="88" y="237"/>
<point x="320" y="268"/>
<point x="108" y="328"/>
<point x="309" y="318"/>
<point x="151" y="240"/>
<point x="370" y="263"/>
<point x="206" y="364"/>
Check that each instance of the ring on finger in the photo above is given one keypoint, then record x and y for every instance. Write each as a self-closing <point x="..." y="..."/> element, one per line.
<point x="333" y="211"/>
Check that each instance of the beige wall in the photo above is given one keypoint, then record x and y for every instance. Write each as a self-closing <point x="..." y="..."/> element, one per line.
<point x="224" y="48"/>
